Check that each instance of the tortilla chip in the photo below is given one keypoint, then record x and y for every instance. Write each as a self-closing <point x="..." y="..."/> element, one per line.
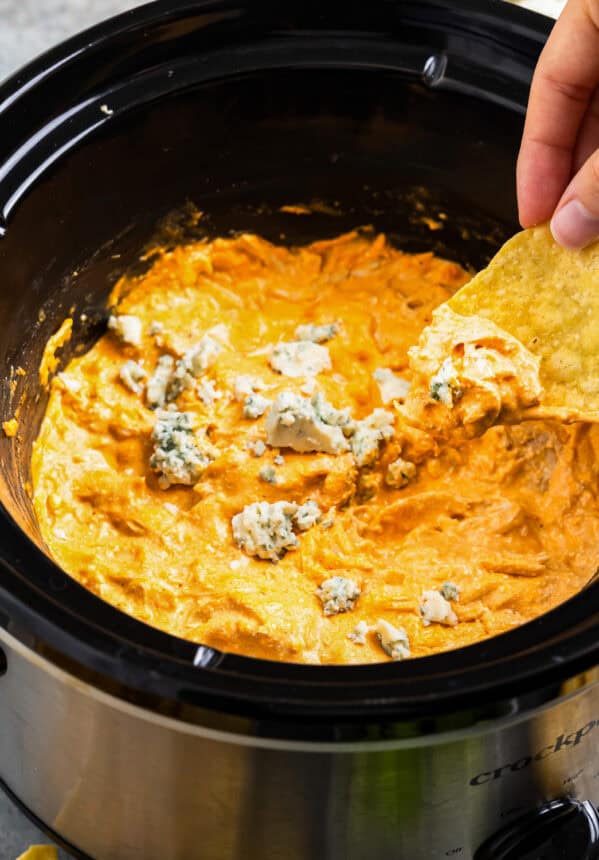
<point x="547" y="298"/>
<point x="40" y="852"/>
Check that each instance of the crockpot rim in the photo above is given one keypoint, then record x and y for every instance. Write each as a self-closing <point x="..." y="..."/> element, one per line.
<point x="532" y="25"/>
<point x="152" y="11"/>
<point x="385" y="687"/>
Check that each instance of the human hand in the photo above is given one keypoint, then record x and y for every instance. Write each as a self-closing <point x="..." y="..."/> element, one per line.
<point x="558" y="165"/>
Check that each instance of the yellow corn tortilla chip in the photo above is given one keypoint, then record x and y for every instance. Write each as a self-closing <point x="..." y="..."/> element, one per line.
<point x="547" y="298"/>
<point x="40" y="852"/>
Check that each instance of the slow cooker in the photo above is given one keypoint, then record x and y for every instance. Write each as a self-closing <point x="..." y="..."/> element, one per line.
<point x="129" y="744"/>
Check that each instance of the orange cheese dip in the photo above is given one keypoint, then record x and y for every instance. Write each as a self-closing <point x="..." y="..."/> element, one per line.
<point x="502" y="528"/>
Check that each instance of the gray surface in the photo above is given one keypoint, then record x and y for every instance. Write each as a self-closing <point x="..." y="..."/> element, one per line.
<point x="17" y="833"/>
<point x="27" y="28"/>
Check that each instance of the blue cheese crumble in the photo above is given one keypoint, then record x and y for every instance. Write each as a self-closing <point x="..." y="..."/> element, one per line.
<point x="332" y="416"/>
<point x="338" y="594"/>
<point x="199" y="358"/>
<point x="255" y="405"/>
<point x="435" y="609"/>
<point x="132" y="375"/>
<point x="392" y="387"/>
<point x="307" y="515"/>
<point x="393" y="640"/>
<point x="316" y="333"/>
<point x="159" y="382"/>
<point x="257" y="448"/>
<point x="244" y="386"/>
<point x="128" y="328"/>
<point x="268" y="474"/>
<point x="359" y="633"/>
<point x="305" y="425"/>
<point x="266" y="530"/>
<point x="177" y="457"/>
<point x="192" y="365"/>
<point x="300" y="358"/>
<point x="171" y="378"/>
<point x="208" y="392"/>
<point x="450" y="591"/>
<point x="369" y="433"/>
<point x="445" y="384"/>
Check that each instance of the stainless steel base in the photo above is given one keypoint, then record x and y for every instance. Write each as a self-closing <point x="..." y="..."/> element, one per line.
<point x="123" y="783"/>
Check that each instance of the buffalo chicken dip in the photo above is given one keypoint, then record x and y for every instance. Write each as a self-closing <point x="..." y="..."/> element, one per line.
<point x="234" y="462"/>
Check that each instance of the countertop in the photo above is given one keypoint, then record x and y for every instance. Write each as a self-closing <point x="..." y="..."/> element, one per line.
<point x="17" y="833"/>
<point x="27" y="28"/>
<point x="545" y="7"/>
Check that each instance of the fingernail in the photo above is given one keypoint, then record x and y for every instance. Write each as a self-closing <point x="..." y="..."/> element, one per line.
<point x="573" y="226"/>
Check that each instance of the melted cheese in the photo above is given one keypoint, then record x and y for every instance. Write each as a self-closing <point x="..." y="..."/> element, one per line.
<point x="509" y="519"/>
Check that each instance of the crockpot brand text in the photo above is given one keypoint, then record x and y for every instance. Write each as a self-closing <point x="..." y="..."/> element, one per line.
<point x="562" y="742"/>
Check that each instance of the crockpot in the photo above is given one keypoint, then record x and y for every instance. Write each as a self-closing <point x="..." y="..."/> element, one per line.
<point x="126" y="743"/>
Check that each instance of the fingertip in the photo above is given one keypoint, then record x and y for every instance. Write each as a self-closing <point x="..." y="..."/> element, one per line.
<point x="573" y="226"/>
<point x="536" y="202"/>
<point x="531" y="213"/>
<point x="542" y="175"/>
<point x="526" y="220"/>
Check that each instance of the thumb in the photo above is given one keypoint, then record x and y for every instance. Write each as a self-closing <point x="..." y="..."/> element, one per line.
<point x="575" y="222"/>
